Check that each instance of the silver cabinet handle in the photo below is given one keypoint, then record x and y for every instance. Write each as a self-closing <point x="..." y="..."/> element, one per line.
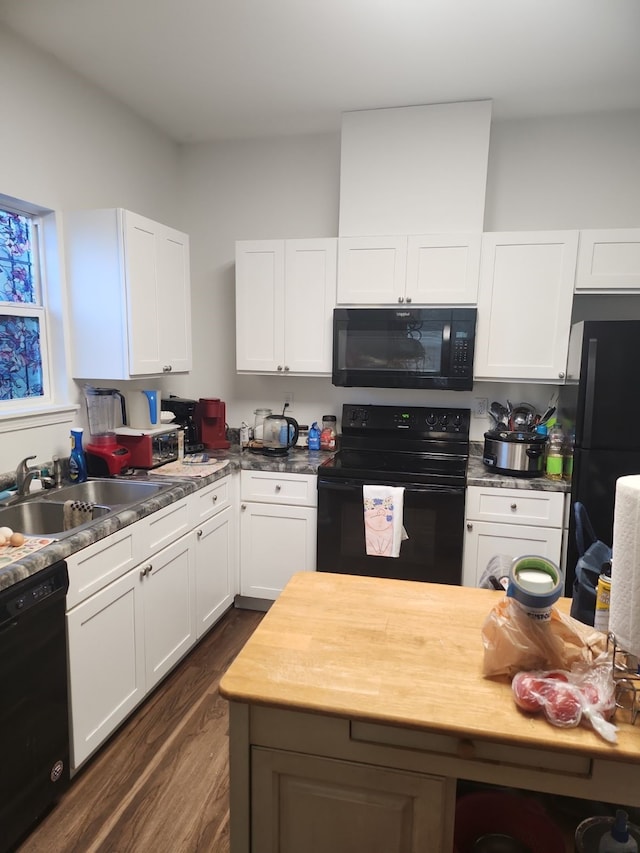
<point x="280" y="367"/>
<point x="469" y="525"/>
<point x="408" y="299"/>
<point x="198" y="533"/>
<point x="286" y="368"/>
<point x="514" y="507"/>
<point x="214" y="498"/>
<point x="400" y="298"/>
<point x="278" y="487"/>
<point x="147" y="570"/>
<point x="561" y="374"/>
<point x="167" y="368"/>
<point x="243" y="506"/>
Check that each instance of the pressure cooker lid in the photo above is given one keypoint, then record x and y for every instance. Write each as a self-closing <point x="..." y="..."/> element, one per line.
<point x="517" y="436"/>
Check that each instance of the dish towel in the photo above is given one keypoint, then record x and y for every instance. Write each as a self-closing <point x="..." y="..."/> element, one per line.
<point x="383" y="529"/>
<point x="624" y="615"/>
<point x="76" y="513"/>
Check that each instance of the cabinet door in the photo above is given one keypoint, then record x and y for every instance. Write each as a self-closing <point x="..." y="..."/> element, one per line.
<point x="158" y="296"/>
<point x="524" y="305"/>
<point x="312" y="804"/>
<point x="609" y="261"/>
<point x="483" y="540"/>
<point x="310" y="297"/>
<point x="259" y="305"/>
<point x="106" y="662"/>
<point x="443" y="269"/>
<point x="371" y="270"/>
<point x="169" y="607"/>
<point x="215" y="568"/>
<point x="275" y="542"/>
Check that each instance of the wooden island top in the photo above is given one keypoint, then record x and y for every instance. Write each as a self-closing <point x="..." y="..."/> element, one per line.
<point x="395" y="652"/>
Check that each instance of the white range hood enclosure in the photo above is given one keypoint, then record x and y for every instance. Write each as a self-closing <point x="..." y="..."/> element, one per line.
<point x="414" y="170"/>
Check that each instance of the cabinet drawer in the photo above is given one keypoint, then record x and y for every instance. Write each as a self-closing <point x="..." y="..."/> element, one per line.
<point x="103" y="562"/>
<point x="515" y="506"/>
<point x="280" y="488"/>
<point x="210" y="501"/>
<point x="165" y="526"/>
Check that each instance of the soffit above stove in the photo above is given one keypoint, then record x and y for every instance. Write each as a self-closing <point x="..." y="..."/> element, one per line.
<point x="414" y="170"/>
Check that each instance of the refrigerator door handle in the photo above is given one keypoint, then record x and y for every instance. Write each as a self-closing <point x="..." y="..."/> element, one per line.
<point x="590" y="391"/>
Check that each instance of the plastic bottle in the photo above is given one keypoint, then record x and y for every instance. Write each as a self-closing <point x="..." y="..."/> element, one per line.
<point x="555" y="453"/>
<point x="567" y="464"/>
<point x="77" y="462"/>
<point x="618" y="839"/>
<point x="314" y="437"/>
<point x="328" y="434"/>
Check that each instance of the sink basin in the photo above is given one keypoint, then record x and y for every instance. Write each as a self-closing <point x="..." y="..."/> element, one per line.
<point x="106" y="492"/>
<point x="40" y="517"/>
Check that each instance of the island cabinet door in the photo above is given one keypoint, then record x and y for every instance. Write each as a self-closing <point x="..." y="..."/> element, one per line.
<point x="312" y="804"/>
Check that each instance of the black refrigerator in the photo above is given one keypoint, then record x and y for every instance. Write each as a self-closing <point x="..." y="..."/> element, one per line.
<point x="601" y="402"/>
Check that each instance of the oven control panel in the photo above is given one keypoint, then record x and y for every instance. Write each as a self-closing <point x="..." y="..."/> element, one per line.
<point x="416" y="420"/>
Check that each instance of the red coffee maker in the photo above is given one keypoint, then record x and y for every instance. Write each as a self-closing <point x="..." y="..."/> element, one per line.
<point x="210" y="418"/>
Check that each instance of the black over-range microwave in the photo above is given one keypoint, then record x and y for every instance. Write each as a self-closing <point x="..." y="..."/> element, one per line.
<point x="404" y="347"/>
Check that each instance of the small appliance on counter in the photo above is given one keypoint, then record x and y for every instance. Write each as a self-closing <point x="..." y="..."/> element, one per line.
<point x="513" y="452"/>
<point x="149" y="448"/>
<point x="184" y="411"/>
<point x="143" y="409"/>
<point x="105" y="456"/>
<point x="210" y="416"/>
<point x="279" y="434"/>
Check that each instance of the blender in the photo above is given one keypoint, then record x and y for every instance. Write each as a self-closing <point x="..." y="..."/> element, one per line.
<point x="105" y="457"/>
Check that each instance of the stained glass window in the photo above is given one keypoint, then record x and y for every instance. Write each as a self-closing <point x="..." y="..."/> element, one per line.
<point x="21" y="314"/>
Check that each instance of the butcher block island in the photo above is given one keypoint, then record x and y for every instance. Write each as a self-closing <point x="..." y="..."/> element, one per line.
<point x="358" y="704"/>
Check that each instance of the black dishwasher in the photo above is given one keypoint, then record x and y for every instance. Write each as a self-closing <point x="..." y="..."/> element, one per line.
<point x="34" y="718"/>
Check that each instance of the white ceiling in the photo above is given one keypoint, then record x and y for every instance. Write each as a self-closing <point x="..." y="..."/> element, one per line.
<point x="214" y="69"/>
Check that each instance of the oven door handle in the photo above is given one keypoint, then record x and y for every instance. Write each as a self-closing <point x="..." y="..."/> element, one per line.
<point x="348" y="485"/>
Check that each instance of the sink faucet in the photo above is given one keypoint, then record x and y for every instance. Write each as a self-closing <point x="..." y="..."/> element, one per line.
<point x="25" y="475"/>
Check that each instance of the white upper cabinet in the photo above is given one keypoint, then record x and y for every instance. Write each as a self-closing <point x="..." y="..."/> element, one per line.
<point x="421" y="269"/>
<point x="130" y="297"/>
<point x="609" y="261"/>
<point x="285" y="296"/>
<point x="524" y="305"/>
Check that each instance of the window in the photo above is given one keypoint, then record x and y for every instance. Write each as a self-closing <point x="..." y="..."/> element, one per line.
<point x="24" y="373"/>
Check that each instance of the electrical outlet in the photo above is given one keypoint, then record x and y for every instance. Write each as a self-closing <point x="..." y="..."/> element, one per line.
<point x="288" y="399"/>
<point x="480" y="407"/>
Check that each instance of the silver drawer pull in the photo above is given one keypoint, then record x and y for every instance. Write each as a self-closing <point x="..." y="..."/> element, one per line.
<point x="278" y="487"/>
<point x="214" y="498"/>
<point x="514" y="506"/>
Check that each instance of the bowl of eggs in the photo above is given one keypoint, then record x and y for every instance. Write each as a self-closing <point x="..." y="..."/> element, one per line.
<point x="11" y="538"/>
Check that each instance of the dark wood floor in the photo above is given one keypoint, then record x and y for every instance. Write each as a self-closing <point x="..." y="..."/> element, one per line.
<point x="160" y="785"/>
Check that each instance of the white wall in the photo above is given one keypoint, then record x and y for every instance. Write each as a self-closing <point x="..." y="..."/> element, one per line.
<point x="67" y="145"/>
<point x="568" y="172"/>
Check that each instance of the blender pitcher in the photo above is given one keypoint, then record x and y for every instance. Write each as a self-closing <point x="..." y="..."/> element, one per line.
<point x="105" y="457"/>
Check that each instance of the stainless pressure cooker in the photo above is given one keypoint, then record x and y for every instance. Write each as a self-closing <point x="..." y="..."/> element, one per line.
<point x="520" y="454"/>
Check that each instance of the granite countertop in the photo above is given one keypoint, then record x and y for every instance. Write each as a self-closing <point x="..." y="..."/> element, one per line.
<point x="479" y="475"/>
<point x="299" y="460"/>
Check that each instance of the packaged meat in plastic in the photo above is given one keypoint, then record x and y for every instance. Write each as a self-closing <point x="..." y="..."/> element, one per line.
<point x="567" y="697"/>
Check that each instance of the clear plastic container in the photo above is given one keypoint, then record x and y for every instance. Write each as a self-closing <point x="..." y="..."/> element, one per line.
<point x="258" y="430"/>
<point x="328" y="434"/>
<point x="555" y="453"/>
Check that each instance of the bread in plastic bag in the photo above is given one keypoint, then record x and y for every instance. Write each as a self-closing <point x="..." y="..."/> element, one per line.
<point x="513" y="641"/>
<point x="567" y="698"/>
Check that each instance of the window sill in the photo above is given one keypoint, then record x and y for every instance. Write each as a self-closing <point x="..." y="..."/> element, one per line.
<point x="37" y="417"/>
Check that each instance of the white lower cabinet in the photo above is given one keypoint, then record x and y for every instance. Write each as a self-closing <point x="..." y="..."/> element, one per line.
<point x="311" y="803"/>
<point x="215" y="556"/>
<point x="513" y="522"/>
<point x="128" y="627"/>
<point x="278" y="518"/>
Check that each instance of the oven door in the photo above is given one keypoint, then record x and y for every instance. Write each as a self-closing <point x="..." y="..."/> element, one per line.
<point x="433" y="517"/>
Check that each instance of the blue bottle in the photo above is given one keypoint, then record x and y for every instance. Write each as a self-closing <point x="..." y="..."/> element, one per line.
<point x="77" y="462"/>
<point x="314" y="437"/>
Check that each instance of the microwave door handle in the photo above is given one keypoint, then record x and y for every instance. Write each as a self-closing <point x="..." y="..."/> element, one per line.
<point x="446" y="347"/>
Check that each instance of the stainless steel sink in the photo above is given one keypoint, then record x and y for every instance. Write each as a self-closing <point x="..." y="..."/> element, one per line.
<point x="43" y="514"/>
<point x="110" y="493"/>
<point x="41" y="518"/>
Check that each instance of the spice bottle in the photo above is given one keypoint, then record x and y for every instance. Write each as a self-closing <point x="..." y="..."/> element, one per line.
<point x="328" y="434"/>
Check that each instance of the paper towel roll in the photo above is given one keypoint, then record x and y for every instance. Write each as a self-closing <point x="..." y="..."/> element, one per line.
<point x="624" y="618"/>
